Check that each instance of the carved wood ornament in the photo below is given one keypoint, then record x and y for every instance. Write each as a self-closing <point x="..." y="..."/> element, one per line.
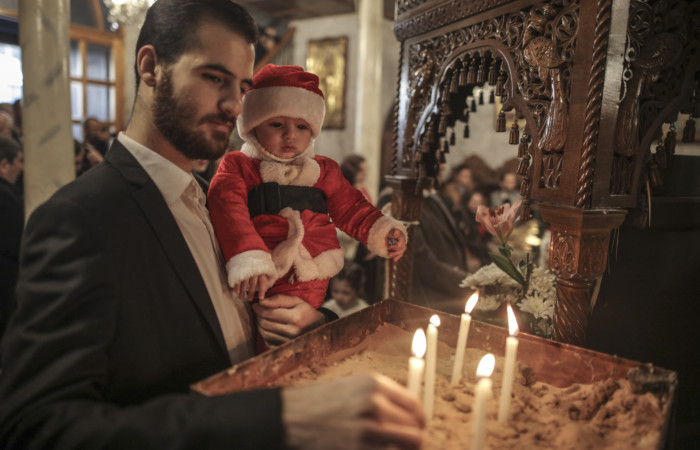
<point x="586" y="129"/>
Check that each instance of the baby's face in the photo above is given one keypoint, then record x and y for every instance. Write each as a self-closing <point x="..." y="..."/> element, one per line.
<point x="284" y="137"/>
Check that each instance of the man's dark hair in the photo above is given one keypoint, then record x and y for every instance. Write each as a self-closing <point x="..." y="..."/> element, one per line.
<point x="9" y="149"/>
<point x="171" y="26"/>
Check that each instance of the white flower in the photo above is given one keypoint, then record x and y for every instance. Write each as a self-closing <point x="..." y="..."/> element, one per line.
<point x="487" y="276"/>
<point x="488" y="303"/>
<point x="540" y="308"/>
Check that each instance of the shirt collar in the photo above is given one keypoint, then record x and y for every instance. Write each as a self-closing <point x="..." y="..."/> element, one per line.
<point x="170" y="180"/>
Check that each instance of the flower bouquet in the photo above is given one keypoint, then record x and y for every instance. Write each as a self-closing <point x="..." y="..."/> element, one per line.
<point x="529" y="288"/>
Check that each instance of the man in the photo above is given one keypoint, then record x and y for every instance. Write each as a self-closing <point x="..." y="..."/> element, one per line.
<point x="11" y="224"/>
<point x="122" y="300"/>
<point x="96" y="135"/>
<point x="7" y="124"/>
<point x="439" y="257"/>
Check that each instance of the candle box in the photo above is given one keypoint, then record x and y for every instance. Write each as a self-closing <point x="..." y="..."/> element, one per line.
<point x="555" y="363"/>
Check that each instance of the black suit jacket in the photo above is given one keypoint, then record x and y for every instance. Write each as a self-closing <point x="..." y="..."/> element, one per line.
<point x="11" y="224"/>
<point x="439" y="259"/>
<point x="113" y="324"/>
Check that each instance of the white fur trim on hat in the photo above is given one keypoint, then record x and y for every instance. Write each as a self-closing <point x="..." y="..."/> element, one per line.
<point x="249" y="264"/>
<point x="265" y="103"/>
<point x="377" y="235"/>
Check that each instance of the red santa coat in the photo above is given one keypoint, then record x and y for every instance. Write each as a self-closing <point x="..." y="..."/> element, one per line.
<point x="306" y="241"/>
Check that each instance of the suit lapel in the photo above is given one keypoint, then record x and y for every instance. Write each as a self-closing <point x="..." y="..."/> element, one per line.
<point x="167" y="233"/>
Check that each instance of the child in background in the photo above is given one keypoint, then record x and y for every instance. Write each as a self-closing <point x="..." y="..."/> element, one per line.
<point x="275" y="204"/>
<point x="346" y="290"/>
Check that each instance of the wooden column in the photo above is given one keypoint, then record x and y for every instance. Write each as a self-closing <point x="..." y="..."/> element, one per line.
<point x="578" y="257"/>
<point x="406" y="206"/>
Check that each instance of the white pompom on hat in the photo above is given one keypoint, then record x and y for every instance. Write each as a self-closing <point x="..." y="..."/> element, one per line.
<point x="286" y="91"/>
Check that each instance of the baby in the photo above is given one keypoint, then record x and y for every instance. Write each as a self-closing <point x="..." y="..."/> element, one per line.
<point x="275" y="205"/>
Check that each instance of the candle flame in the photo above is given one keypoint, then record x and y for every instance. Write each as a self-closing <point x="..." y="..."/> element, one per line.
<point x="512" y="323"/>
<point x="471" y="303"/>
<point x="435" y="320"/>
<point x="419" y="343"/>
<point x="486" y="366"/>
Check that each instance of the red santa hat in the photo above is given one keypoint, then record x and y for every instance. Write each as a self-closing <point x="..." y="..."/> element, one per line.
<point x="286" y="91"/>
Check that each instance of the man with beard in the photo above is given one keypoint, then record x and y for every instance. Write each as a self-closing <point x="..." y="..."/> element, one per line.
<point x="122" y="299"/>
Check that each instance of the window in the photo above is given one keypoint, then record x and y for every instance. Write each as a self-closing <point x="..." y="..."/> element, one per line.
<point x="11" y="73"/>
<point x="95" y="79"/>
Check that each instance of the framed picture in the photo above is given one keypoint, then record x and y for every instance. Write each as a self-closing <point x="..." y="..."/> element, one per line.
<point x="327" y="59"/>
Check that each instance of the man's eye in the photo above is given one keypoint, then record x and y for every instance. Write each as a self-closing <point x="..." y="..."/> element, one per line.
<point x="213" y="78"/>
<point x="302" y="127"/>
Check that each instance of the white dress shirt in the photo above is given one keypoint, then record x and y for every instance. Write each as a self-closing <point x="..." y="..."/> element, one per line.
<point x="187" y="201"/>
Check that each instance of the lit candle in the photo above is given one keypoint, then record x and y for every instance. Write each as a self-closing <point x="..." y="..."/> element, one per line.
<point x="482" y="395"/>
<point x="416" y="364"/>
<point x="509" y="366"/>
<point x="431" y="360"/>
<point x="462" y="338"/>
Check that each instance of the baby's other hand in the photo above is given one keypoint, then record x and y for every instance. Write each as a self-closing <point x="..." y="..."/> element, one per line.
<point x="256" y="283"/>
<point x="395" y="244"/>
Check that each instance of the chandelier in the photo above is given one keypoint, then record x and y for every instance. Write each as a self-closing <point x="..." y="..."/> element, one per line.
<point x="130" y="12"/>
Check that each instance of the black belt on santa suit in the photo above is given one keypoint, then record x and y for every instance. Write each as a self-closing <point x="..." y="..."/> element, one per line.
<point x="271" y="198"/>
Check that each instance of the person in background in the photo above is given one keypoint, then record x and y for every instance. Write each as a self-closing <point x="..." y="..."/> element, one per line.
<point x="275" y="205"/>
<point x="122" y="297"/>
<point x="439" y="257"/>
<point x="458" y="184"/>
<point x="507" y="191"/>
<point x="96" y="135"/>
<point x="11" y="224"/>
<point x="354" y="169"/>
<point x="346" y="290"/>
<point x="7" y="124"/>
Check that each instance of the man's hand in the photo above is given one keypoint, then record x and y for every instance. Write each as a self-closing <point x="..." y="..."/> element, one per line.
<point x="395" y="244"/>
<point x="283" y="317"/>
<point x="358" y="412"/>
<point x="256" y="283"/>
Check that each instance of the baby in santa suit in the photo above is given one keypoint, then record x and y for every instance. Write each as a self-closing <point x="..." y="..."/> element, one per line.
<point x="275" y="204"/>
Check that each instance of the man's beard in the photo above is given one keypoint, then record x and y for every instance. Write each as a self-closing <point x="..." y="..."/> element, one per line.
<point x="173" y="118"/>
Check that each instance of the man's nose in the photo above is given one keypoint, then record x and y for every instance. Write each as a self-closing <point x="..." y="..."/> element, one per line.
<point x="232" y="105"/>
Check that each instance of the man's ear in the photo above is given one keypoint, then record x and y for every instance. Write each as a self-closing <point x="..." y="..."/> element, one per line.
<point x="146" y="62"/>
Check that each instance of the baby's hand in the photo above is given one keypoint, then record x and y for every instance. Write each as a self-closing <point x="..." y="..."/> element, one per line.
<point x="395" y="244"/>
<point x="256" y="283"/>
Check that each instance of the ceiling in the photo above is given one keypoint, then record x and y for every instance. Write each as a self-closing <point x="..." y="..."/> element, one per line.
<point x="286" y="10"/>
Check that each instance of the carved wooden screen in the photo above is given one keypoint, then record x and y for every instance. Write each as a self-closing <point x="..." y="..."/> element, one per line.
<point x="591" y="83"/>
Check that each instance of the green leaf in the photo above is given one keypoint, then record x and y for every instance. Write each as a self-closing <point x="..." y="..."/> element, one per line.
<point x="506" y="250"/>
<point x="506" y="265"/>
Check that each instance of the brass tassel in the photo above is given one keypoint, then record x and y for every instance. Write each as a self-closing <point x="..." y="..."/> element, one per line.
<point x="660" y="156"/>
<point x="525" y="211"/>
<point x="500" y="84"/>
<point x="473" y="105"/>
<point x="655" y="174"/>
<point x="524" y="186"/>
<point x="501" y="122"/>
<point x="522" y="147"/>
<point x="445" y="147"/>
<point x="453" y="138"/>
<point x="471" y="74"/>
<point x="492" y="97"/>
<point x="441" y="158"/>
<point x="689" y="131"/>
<point x="670" y="141"/>
<point x="514" y="133"/>
<point x="492" y="74"/>
<point x="466" y="131"/>
<point x="453" y="84"/>
<point x="463" y="74"/>
<point x="442" y="125"/>
<point x="481" y="74"/>
<point x="481" y="97"/>
<point x="524" y="165"/>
